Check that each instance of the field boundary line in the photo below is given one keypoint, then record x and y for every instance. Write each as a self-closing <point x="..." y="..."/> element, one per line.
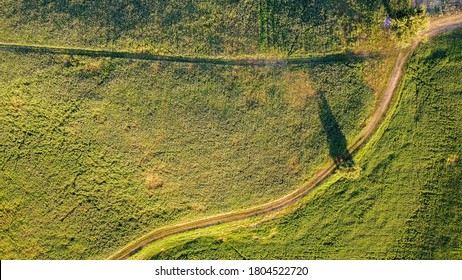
<point x="41" y="49"/>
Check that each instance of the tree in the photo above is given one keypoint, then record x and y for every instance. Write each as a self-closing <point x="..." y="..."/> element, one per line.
<point x="409" y="24"/>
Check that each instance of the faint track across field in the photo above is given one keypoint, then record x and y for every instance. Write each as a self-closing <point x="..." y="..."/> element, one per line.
<point x="19" y="48"/>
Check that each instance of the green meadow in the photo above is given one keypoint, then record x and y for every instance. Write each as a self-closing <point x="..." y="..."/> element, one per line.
<point x="96" y="152"/>
<point x="403" y="201"/>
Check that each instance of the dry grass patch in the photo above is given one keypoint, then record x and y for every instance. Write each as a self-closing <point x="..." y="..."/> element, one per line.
<point x="452" y="159"/>
<point x="156" y="67"/>
<point x="93" y="67"/>
<point x="254" y="97"/>
<point x="294" y="165"/>
<point x="299" y="89"/>
<point x="153" y="181"/>
<point x="378" y="72"/>
<point x="197" y="207"/>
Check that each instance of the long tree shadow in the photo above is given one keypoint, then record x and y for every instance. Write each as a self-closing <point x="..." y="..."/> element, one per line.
<point x="338" y="148"/>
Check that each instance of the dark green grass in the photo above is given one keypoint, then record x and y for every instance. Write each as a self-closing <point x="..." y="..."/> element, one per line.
<point x="95" y="152"/>
<point x="207" y="28"/>
<point x="405" y="203"/>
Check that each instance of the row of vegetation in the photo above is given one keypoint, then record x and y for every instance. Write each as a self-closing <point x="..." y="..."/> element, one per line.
<point x="196" y="27"/>
<point x="403" y="202"/>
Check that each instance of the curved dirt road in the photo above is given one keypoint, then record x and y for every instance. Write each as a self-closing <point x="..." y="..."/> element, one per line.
<point x="436" y="26"/>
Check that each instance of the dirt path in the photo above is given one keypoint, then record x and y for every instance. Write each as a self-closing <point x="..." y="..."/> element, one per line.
<point x="436" y="26"/>
<point x="442" y="24"/>
<point x="18" y="48"/>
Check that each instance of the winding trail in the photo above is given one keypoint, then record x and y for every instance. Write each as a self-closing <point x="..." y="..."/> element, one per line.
<point x="436" y="26"/>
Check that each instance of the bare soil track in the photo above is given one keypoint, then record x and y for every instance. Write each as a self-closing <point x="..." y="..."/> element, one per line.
<point x="436" y="26"/>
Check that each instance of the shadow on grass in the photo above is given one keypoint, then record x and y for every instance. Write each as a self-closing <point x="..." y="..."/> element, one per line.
<point x="338" y="148"/>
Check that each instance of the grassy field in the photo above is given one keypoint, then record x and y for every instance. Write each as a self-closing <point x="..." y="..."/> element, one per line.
<point x="95" y="152"/>
<point x="403" y="201"/>
<point x="206" y="28"/>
